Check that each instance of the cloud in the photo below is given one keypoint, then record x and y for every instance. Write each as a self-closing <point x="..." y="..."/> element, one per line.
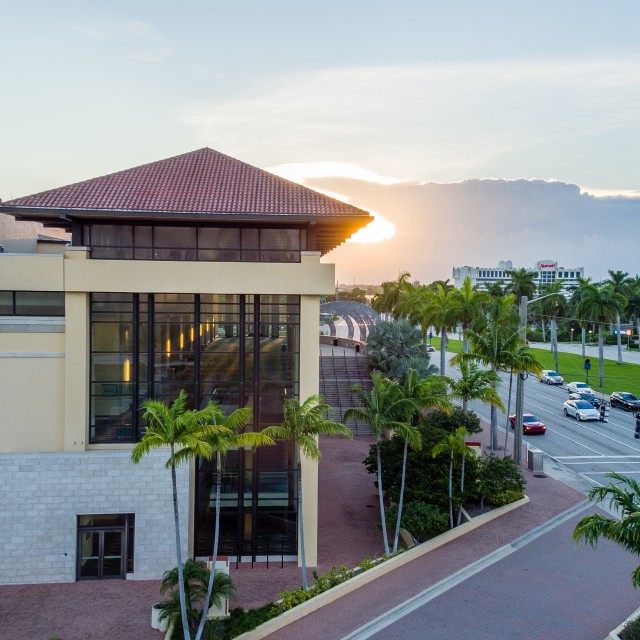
<point x="436" y="121"/>
<point x="140" y="38"/>
<point x="480" y="222"/>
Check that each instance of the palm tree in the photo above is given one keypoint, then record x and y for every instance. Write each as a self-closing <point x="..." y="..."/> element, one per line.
<point x="391" y="344"/>
<point x="475" y="383"/>
<point x="426" y="393"/>
<point x="196" y="578"/>
<point x="468" y="302"/>
<point x="302" y="425"/>
<point x="183" y="432"/>
<point x="576" y="296"/>
<point x="391" y="294"/>
<point x="552" y="306"/>
<point x="384" y="409"/>
<point x="496" y="343"/>
<point x="619" y="282"/>
<point x="600" y="305"/>
<point x="497" y="289"/>
<point x="226" y="435"/>
<point x="633" y="302"/>
<point x="522" y="283"/>
<point x="441" y="309"/>
<point x="454" y="444"/>
<point x="623" y="498"/>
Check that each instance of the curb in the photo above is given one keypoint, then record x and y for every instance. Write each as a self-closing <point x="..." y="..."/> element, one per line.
<point x="327" y="597"/>
<point x="615" y="634"/>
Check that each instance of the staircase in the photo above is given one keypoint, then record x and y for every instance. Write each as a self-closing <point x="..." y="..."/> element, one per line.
<point x="338" y="373"/>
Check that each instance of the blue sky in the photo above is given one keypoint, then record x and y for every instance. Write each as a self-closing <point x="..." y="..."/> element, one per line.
<point x="386" y="92"/>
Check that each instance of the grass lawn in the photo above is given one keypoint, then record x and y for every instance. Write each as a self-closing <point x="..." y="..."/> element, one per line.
<point x="617" y="377"/>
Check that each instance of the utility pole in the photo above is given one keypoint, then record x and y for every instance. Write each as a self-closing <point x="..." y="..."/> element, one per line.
<point x="517" y="436"/>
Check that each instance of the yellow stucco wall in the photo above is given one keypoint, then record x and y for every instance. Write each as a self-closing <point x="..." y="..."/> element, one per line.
<point x="31" y="391"/>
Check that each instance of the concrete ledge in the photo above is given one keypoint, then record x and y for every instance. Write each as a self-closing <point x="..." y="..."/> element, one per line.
<point x="615" y="634"/>
<point x="361" y="579"/>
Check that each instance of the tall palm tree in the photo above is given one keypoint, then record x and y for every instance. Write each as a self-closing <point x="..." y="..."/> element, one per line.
<point x="392" y="292"/>
<point x="633" y="302"/>
<point x="384" y="409"/>
<point x="453" y="444"/>
<point x="600" y="305"/>
<point x="497" y="289"/>
<point x="183" y="431"/>
<point x="576" y="296"/>
<point x="302" y="424"/>
<point x="522" y="283"/>
<point x="426" y="393"/>
<point x="468" y="302"/>
<point x="441" y="310"/>
<point x="475" y="383"/>
<point x="226" y="434"/>
<point x="619" y="282"/>
<point x="553" y="306"/>
<point x="623" y="498"/>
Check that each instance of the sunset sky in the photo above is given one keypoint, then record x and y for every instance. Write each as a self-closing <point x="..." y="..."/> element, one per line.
<point x="371" y="101"/>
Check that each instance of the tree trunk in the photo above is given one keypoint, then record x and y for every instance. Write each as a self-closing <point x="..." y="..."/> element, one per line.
<point x="494" y="429"/>
<point x="399" y="518"/>
<point x="451" y="491"/>
<point x="382" y="516"/>
<point x="303" y="557"/>
<point x="584" y="337"/>
<point x="619" y="338"/>
<point x="205" y="606"/>
<point x="554" y="340"/>
<point x="176" y="519"/>
<point x="443" y="351"/>
<point x="506" y="429"/>
<point x="461" y="489"/>
<point x="544" y="337"/>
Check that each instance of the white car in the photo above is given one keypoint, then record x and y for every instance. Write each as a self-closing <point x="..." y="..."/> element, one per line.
<point x="579" y="387"/>
<point x="581" y="410"/>
<point x="551" y="377"/>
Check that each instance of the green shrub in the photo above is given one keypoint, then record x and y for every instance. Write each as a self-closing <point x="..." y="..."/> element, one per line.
<point x="631" y="630"/>
<point x="500" y="481"/>
<point x="423" y="521"/>
<point x="239" y="621"/>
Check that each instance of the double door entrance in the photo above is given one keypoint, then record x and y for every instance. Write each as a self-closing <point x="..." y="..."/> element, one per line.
<point x="103" y="541"/>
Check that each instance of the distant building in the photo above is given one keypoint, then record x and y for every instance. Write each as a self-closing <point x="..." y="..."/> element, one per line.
<point x="547" y="271"/>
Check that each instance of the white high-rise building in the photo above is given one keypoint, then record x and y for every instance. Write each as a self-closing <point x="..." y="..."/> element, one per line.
<point x="548" y="271"/>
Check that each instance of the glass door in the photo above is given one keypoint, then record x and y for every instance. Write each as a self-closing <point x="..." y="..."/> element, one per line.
<point x="101" y="554"/>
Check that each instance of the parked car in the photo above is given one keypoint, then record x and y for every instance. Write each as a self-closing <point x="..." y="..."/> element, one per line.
<point x="625" y="400"/>
<point x="581" y="410"/>
<point x="551" y="377"/>
<point x="589" y="397"/>
<point x="579" y="387"/>
<point x="430" y="347"/>
<point x="530" y="424"/>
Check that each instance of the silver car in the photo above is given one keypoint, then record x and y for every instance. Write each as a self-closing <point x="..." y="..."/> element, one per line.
<point x="551" y="377"/>
<point x="581" y="410"/>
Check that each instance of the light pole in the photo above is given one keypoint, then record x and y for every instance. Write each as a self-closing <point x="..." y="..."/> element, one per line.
<point x="590" y="332"/>
<point x="571" y="335"/>
<point x="522" y="376"/>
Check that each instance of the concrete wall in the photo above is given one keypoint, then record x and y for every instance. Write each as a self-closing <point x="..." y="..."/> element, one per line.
<point x="44" y="493"/>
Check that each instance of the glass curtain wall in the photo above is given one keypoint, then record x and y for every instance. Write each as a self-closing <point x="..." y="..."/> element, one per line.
<point x="239" y="350"/>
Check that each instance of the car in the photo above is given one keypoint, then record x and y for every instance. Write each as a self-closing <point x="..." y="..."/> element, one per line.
<point x="551" y="377"/>
<point x="579" y="387"/>
<point x="431" y="348"/>
<point x="581" y="410"/>
<point x="589" y="397"/>
<point x="625" y="400"/>
<point x="530" y="424"/>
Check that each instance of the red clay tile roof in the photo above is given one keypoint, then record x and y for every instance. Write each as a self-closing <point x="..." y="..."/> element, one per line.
<point x="203" y="182"/>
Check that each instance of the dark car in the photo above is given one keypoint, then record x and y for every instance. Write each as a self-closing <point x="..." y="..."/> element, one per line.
<point x="530" y="424"/>
<point x="626" y="401"/>
<point x="589" y="397"/>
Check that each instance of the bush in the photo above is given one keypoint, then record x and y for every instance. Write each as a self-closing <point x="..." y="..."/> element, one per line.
<point x="631" y="630"/>
<point x="500" y="481"/>
<point x="239" y="621"/>
<point x="423" y="521"/>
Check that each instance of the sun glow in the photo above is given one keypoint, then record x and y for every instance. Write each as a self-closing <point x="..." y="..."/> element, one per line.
<point x="377" y="230"/>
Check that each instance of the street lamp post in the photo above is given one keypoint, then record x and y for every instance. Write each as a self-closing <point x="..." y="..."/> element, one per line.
<point x="571" y="335"/>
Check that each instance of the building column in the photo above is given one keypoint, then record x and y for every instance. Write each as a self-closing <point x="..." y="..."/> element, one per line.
<point x="309" y="385"/>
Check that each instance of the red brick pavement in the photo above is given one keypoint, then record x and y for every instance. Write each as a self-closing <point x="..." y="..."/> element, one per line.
<point x="348" y="533"/>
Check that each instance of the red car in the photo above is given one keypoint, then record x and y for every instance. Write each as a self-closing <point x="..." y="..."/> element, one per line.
<point x="530" y="424"/>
